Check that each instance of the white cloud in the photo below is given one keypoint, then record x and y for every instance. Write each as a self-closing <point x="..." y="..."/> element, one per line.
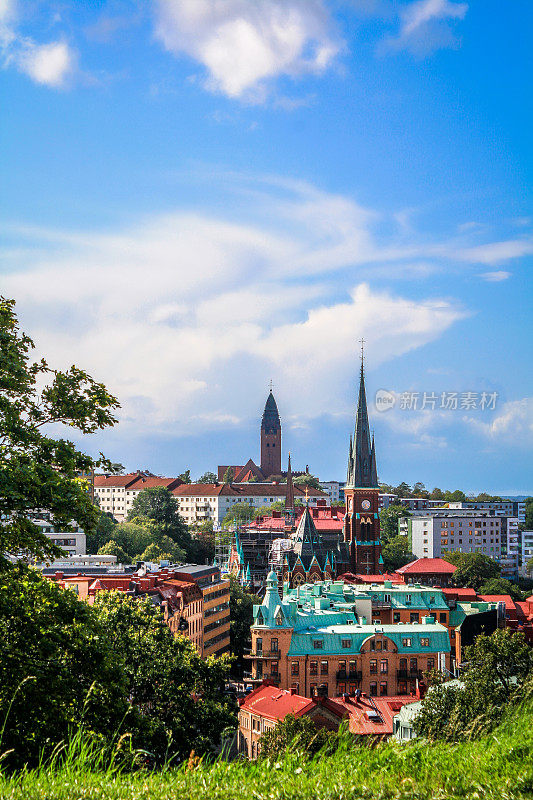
<point x="181" y="310"/>
<point x="497" y="251"/>
<point x="496" y="277"/>
<point x="426" y="25"/>
<point x="513" y="423"/>
<point x="50" y="64"/>
<point x="245" y="45"/>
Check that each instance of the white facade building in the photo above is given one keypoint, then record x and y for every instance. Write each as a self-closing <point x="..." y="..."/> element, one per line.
<point x="436" y="533"/>
<point x="72" y="542"/>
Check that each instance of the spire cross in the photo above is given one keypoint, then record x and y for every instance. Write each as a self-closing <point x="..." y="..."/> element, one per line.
<point x="306" y="494"/>
<point x="362" y="350"/>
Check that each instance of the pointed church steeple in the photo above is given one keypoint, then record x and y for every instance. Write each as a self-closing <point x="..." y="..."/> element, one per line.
<point x="289" y="497"/>
<point x="270" y="438"/>
<point x="362" y="471"/>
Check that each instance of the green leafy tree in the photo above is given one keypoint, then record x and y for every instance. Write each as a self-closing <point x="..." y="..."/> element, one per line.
<point x="159" y="505"/>
<point x="297" y="734"/>
<point x="241" y="614"/>
<point x="185" y="477"/>
<point x="238" y="514"/>
<point x="436" y="494"/>
<point x="307" y="480"/>
<point x="36" y="470"/>
<point x="501" y="586"/>
<point x="419" y="490"/>
<point x="396" y="553"/>
<point x="403" y="490"/>
<point x="57" y="668"/>
<point x="207" y="477"/>
<point x="529" y="565"/>
<point x="154" y="553"/>
<point x="177" y="696"/>
<point x="229" y="475"/>
<point x="498" y="671"/>
<point x="115" y="468"/>
<point x="111" y="548"/>
<point x="458" y="496"/>
<point x="102" y="533"/>
<point x="473" y="569"/>
<point x="528" y="525"/>
<point x="388" y="521"/>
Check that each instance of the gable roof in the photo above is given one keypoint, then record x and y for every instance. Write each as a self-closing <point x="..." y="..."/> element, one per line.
<point x="427" y="566"/>
<point x="273" y="703"/>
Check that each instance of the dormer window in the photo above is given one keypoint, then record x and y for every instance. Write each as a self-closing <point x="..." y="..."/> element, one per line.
<point x="279" y="619"/>
<point x="260" y="620"/>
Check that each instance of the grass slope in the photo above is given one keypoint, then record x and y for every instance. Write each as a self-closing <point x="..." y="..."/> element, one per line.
<point x="497" y="767"/>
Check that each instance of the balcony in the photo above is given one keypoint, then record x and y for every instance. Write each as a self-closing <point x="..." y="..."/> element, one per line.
<point x="408" y="674"/>
<point x="263" y="654"/>
<point x="351" y="675"/>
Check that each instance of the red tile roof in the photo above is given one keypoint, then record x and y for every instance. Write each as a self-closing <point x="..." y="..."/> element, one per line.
<point x="152" y="481"/>
<point x="499" y="598"/>
<point x="427" y="566"/>
<point x="388" y="707"/>
<point x="241" y="490"/>
<point x="274" y="703"/>
<point x="460" y="593"/>
<point x="349" y="577"/>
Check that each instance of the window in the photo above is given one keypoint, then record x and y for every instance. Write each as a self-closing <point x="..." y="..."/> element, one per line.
<point x="424" y="641"/>
<point x="406" y="642"/>
<point x="295" y="668"/>
<point x="373" y="666"/>
<point x="313" y="668"/>
<point x="258" y="644"/>
<point x="431" y="663"/>
<point x="379" y="644"/>
<point x="383" y="688"/>
<point x="323" y="667"/>
<point x="373" y="645"/>
<point x="414" y="616"/>
<point x="318" y="644"/>
<point x="413" y="665"/>
<point x="373" y="689"/>
<point x="313" y="689"/>
<point x="384" y="666"/>
<point x="274" y="645"/>
<point x="346" y="644"/>
<point x="386" y="598"/>
<point x="396" y="616"/>
<point x="442" y="617"/>
<point x="408" y="598"/>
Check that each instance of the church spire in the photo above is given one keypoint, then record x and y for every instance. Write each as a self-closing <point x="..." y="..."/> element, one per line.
<point x="362" y="458"/>
<point x="289" y="497"/>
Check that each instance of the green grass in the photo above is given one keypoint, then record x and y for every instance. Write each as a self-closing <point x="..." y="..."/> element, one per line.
<point x="498" y="767"/>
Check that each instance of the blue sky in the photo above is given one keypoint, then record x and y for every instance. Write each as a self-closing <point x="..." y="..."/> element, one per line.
<point x="203" y="195"/>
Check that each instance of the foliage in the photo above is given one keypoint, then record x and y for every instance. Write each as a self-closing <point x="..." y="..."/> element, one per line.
<point x="298" y="735"/>
<point x="307" y="480"/>
<point x="498" y="669"/>
<point x="501" y="586"/>
<point x="158" y="505"/>
<point x="37" y="471"/>
<point x="155" y="553"/>
<point x="56" y="667"/>
<point x="495" y="767"/>
<point x="241" y="606"/>
<point x="207" y="477"/>
<point x="239" y="513"/>
<point x="396" y="554"/>
<point x="111" y="548"/>
<point x="116" y="468"/>
<point x="388" y="521"/>
<point x="176" y="694"/>
<point x="473" y="569"/>
<point x="229" y="475"/>
<point x="528" y="525"/>
<point x="133" y="537"/>
<point x="185" y="477"/>
<point x="529" y="565"/>
<point x="103" y="532"/>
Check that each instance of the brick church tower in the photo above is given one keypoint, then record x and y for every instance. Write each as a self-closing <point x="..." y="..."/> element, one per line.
<point x="270" y="439"/>
<point x="361" y="521"/>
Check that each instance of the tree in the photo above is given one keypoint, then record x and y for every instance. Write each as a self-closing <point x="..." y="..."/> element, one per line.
<point x="102" y="533"/>
<point x="116" y="468"/>
<point x="498" y="670"/>
<point x="389" y="519"/>
<point x="159" y="505"/>
<point x="229" y="475"/>
<point x="473" y="569"/>
<point x="238" y="514"/>
<point x="36" y="470"/>
<point x="529" y="565"/>
<point x="419" y="490"/>
<point x="57" y="668"/>
<point x="307" y="480"/>
<point x="177" y="696"/>
<point x="501" y="586"/>
<point x="457" y="496"/>
<point x="111" y="548"/>
<point x="154" y="553"/>
<point x="436" y="494"/>
<point x="528" y="526"/>
<point x="297" y="734"/>
<point x="241" y="606"/>
<point x="207" y="477"/>
<point x="403" y="490"/>
<point x="185" y="477"/>
<point x="396" y="554"/>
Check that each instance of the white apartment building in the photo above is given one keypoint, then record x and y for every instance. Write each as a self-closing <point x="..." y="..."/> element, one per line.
<point x="526" y="550"/>
<point x="198" y="502"/>
<point x="72" y="542"/>
<point x="332" y="489"/>
<point x="502" y="508"/>
<point x="116" y="493"/>
<point x="436" y="533"/>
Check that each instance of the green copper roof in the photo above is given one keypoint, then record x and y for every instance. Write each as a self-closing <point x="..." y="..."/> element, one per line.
<point x="331" y="637"/>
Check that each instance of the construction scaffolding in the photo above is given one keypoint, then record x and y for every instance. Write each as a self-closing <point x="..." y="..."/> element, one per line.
<point x="223" y="542"/>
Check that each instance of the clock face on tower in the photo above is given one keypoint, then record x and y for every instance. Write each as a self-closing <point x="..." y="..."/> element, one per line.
<point x="365" y="505"/>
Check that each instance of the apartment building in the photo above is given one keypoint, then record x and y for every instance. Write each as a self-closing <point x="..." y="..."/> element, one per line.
<point x="116" y="493"/>
<point x="72" y="542"/>
<point x="215" y="598"/>
<point x="502" y="508"/>
<point x="198" y="502"/>
<point x="434" y="533"/>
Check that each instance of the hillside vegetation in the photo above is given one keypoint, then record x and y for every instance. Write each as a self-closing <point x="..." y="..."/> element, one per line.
<point x="498" y="766"/>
